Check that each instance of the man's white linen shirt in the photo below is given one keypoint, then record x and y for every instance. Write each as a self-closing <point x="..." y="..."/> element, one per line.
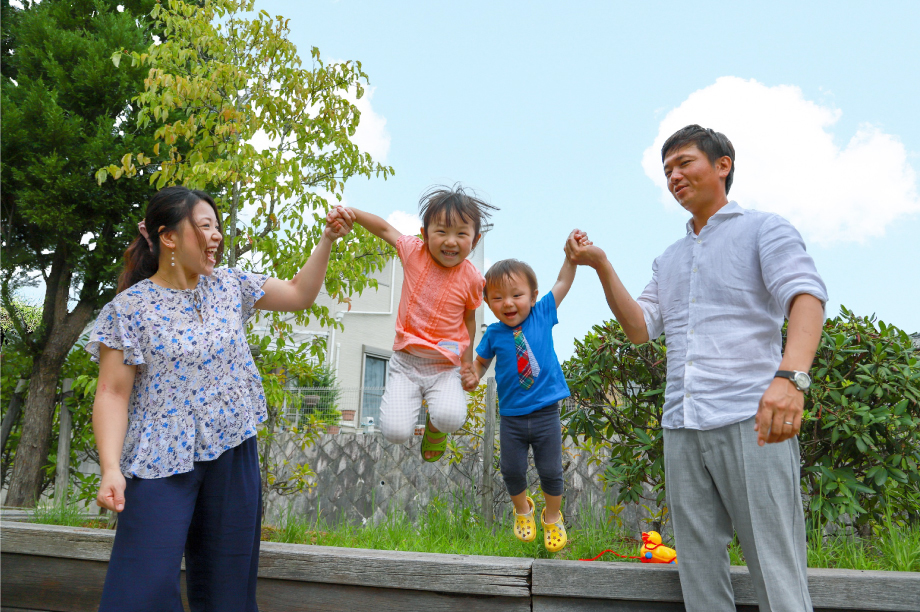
<point x="720" y="297"/>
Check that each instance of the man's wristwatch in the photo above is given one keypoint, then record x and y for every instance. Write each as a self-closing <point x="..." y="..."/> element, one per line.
<point x="801" y="380"/>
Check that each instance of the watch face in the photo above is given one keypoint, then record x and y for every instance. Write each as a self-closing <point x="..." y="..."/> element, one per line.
<point x="802" y="381"/>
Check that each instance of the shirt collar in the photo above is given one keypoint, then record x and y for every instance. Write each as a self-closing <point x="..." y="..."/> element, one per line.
<point x="731" y="209"/>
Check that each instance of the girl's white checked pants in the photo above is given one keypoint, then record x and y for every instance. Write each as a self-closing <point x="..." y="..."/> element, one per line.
<point x="410" y="380"/>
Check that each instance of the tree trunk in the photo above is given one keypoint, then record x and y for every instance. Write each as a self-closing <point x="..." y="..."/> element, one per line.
<point x="60" y="331"/>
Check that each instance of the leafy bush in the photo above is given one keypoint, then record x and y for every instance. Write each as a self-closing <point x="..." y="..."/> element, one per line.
<point x="860" y="436"/>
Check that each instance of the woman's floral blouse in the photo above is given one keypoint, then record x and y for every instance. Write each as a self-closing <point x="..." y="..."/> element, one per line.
<point x="197" y="391"/>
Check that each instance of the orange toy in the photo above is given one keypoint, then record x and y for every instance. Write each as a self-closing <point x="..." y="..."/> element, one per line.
<point x="653" y="551"/>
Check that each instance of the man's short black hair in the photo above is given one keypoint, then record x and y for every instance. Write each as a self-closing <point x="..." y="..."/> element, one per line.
<point x="712" y="143"/>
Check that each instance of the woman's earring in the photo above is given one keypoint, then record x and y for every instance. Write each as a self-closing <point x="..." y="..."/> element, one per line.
<point x="173" y="258"/>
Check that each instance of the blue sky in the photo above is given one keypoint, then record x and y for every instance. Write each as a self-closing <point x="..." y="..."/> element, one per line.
<point x="549" y="108"/>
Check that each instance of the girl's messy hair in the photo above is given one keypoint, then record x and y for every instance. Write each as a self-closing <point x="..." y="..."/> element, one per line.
<point x="504" y="271"/>
<point x="444" y="203"/>
<point x="166" y="209"/>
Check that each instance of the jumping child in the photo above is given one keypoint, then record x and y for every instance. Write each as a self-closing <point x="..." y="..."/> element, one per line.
<point x="530" y="388"/>
<point x="436" y="322"/>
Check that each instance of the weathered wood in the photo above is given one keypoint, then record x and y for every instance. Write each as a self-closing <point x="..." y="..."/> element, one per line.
<point x="56" y="541"/>
<point x="488" y="452"/>
<point x="396" y="569"/>
<point x="55" y="584"/>
<point x="65" y="425"/>
<point x="465" y="574"/>
<point x="829" y="588"/>
<point x="286" y="596"/>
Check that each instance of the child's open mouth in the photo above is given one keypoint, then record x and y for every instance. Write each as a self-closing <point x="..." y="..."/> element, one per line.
<point x="450" y="253"/>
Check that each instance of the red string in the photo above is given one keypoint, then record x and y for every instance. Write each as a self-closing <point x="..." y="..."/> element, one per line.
<point x="649" y="545"/>
<point x="612" y="553"/>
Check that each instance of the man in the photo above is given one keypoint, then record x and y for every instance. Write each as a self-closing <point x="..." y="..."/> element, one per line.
<point x="733" y="401"/>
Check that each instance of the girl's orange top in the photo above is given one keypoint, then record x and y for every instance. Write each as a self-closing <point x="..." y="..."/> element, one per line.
<point x="434" y="302"/>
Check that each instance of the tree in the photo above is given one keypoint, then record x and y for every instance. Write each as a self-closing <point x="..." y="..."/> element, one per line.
<point x="225" y="80"/>
<point x="63" y="108"/>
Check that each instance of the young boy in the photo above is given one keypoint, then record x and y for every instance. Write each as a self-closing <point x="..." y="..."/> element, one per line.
<point x="530" y="389"/>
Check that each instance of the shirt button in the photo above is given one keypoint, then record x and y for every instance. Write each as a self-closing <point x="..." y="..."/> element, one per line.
<point x="693" y="300"/>
<point x="690" y="363"/>
<point x="699" y="241"/>
<point x="694" y="269"/>
<point x="687" y="396"/>
<point x="691" y="332"/>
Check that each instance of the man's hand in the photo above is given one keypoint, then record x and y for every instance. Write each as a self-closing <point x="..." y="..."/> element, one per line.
<point x="779" y="416"/>
<point x="468" y="376"/>
<point x="582" y="251"/>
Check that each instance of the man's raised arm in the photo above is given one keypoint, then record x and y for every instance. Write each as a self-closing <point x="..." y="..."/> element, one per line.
<point x="626" y="310"/>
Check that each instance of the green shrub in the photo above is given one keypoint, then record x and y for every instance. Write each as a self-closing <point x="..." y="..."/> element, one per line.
<point x="860" y="436"/>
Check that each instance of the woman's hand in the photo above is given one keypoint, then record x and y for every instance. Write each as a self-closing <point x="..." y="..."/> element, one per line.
<point x="111" y="494"/>
<point x="339" y="222"/>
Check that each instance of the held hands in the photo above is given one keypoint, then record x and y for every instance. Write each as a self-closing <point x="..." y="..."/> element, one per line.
<point x="339" y="222"/>
<point x="582" y="251"/>
<point x="111" y="494"/>
<point x="780" y="413"/>
<point x="468" y="376"/>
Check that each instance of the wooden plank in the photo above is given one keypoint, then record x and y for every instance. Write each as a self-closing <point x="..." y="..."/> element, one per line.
<point x="829" y="588"/>
<point x="65" y="422"/>
<point x="488" y="452"/>
<point x="466" y="574"/>
<point x="56" y="541"/>
<point x="571" y="604"/>
<point x="287" y="596"/>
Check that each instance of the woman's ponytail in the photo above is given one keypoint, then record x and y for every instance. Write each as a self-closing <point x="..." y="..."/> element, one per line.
<point x="142" y="259"/>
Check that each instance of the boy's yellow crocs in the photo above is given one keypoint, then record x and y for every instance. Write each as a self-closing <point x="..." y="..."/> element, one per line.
<point x="525" y="527"/>
<point x="554" y="536"/>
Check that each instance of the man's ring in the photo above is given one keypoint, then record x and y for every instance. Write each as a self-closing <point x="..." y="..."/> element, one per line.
<point x="787" y="422"/>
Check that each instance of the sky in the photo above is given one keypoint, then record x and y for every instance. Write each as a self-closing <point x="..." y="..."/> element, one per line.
<point x="556" y="113"/>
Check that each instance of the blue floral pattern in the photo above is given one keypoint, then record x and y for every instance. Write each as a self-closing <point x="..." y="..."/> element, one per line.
<point x="197" y="391"/>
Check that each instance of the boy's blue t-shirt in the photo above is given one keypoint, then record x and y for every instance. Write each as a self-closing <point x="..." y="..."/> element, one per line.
<point x="549" y="386"/>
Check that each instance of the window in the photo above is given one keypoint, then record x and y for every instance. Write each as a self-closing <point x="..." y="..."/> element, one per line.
<point x="375" y="377"/>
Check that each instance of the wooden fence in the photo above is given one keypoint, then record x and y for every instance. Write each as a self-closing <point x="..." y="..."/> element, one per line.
<point x="46" y="567"/>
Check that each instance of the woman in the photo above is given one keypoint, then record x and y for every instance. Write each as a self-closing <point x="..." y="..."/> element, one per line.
<point x="177" y="405"/>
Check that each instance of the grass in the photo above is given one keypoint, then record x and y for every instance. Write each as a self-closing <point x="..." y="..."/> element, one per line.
<point x="70" y="515"/>
<point x="449" y="528"/>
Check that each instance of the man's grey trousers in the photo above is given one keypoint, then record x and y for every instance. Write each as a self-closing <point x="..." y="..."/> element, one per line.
<point x="720" y="479"/>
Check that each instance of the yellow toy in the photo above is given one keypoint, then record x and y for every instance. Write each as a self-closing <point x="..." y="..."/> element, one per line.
<point x="653" y="551"/>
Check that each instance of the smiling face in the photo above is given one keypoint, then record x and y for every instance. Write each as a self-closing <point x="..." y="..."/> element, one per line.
<point x="196" y="242"/>
<point x="696" y="183"/>
<point x="450" y="244"/>
<point x="512" y="300"/>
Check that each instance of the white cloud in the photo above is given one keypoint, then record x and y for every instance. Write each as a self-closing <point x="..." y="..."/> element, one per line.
<point x="788" y="163"/>
<point x="406" y="223"/>
<point x="371" y="135"/>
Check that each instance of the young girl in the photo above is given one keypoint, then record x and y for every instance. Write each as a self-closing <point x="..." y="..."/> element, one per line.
<point x="436" y="321"/>
<point x="530" y="388"/>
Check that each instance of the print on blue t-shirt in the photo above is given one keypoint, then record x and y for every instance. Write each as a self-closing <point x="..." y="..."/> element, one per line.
<point x="498" y="342"/>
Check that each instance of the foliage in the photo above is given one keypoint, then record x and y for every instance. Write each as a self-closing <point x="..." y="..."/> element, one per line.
<point x="619" y="391"/>
<point x="236" y="113"/>
<point x="25" y="311"/>
<point x="318" y="395"/>
<point x="860" y="437"/>
<point x="63" y="110"/>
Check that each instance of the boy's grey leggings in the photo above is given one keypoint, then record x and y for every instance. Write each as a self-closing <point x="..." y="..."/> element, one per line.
<point x="542" y="430"/>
